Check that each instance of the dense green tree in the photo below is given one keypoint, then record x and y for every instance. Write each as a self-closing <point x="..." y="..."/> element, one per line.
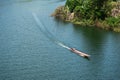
<point x="89" y="9"/>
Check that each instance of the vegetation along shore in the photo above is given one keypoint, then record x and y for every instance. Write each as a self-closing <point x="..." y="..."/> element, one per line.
<point x="104" y="14"/>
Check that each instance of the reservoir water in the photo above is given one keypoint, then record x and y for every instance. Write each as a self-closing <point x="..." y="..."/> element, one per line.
<point x="28" y="52"/>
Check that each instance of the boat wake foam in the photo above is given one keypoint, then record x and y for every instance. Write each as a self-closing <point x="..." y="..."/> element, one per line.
<point x="49" y="35"/>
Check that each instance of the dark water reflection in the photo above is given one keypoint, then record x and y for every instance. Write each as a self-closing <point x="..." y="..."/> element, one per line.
<point x="103" y="46"/>
<point x="27" y="54"/>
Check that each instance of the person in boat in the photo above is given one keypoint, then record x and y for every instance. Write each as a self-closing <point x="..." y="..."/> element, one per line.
<point x="72" y="49"/>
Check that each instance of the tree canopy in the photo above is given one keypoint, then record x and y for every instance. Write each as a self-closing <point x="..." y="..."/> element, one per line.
<point x="89" y="9"/>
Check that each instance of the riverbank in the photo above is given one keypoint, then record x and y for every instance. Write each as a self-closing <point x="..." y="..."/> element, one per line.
<point x="109" y="23"/>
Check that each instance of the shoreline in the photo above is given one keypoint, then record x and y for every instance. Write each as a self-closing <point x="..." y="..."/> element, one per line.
<point x="64" y="14"/>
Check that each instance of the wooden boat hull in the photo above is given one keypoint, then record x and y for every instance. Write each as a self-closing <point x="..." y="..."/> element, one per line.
<point x="80" y="53"/>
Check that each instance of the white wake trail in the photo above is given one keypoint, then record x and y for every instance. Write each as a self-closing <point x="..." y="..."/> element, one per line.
<point x="48" y="34"/>
<point x="61" y="44"/>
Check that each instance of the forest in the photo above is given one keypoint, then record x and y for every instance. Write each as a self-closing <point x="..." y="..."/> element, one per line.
<point x="104" y="14"/>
